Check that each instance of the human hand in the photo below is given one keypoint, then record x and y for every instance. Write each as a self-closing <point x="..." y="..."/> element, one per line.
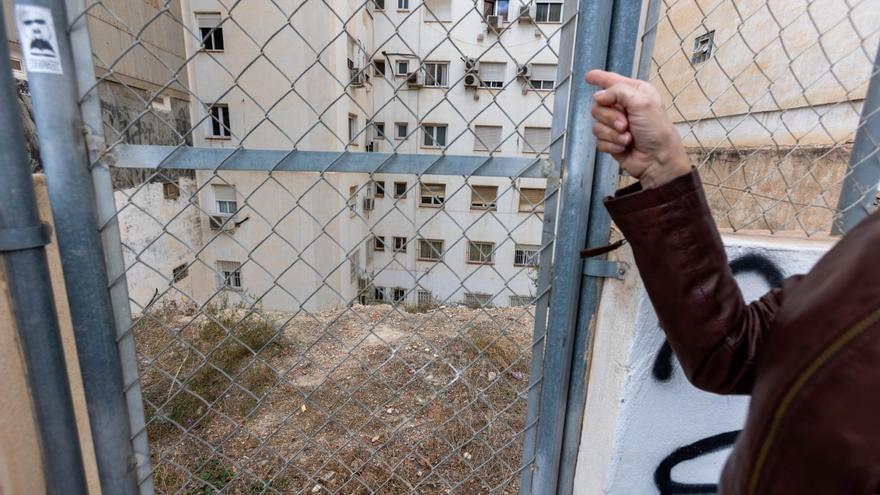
<point x="632" y="126"/>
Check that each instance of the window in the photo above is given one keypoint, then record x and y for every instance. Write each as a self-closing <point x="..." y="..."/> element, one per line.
<point x="423" y="297"/>
<point x="543" y="76"/>
<point x="379" y="128"/>
<point x="477" y="300"/>
<point x="398" y="294"/>
<point x="432" y="194"/>
<point x="526" y="255"/>
<point x="170" y="190"/>
<point x="430" y="250"/>
<point x="481" y="252"/>
<point x="436" y="74"/>
<point x="483" y="197"/>
<point x="400" y="130"/>
<point x="536" y="139"/>
<point x="496" y="7"/>
<point x="400" y="244"/>
<point x="402" y="4"/>
<point x="703" y="48"/>
<point x="352" y="129"/>
<point x="180" y="272"/>
<point x="362" y="291"/>
<point x="224" y="198"/>
<point x="402" y="67"/>
<point x="211" y="31"/>
<point x="379" y="189"/>
<point x="378" y="293"/>
<point x="379" y="243"/>
<point x="230" y="273"/>
<point x="15" y="64"/>
<point x="531" y="199"/>
<point x="378" y="4"/>
<point x="400" y="190"/>
<point x="548" y="12"/>
<point x="438" y="10"/>
<point x="487" y="137"/>
<point x="435" y="136"/>
<point x="352" y="199"/>
<point x="521" y="300"/>
<point x="220" y="127"/>
<point x="492" y="74"/>
<point x="379" y="67"/>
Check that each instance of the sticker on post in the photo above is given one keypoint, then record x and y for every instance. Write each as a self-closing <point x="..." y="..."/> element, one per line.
<point x="36" y="32"/>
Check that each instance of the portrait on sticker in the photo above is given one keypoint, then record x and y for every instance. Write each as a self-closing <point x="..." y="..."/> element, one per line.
<point x="38" y="41"/>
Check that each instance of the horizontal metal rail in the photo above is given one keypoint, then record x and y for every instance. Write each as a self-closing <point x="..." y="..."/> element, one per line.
<point x="189" y="158"/>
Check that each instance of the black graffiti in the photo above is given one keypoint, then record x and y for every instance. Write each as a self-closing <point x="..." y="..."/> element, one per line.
<point x="749" y="263"/>
<point x="663" y="473"/>
<point x="662" y="371"/>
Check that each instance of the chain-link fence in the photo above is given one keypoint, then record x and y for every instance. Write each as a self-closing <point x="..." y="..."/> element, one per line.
<point x="332" y="222"/>
<point x="767" y="97"/>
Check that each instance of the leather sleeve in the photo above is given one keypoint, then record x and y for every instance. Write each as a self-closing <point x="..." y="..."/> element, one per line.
<point x="682" y="262"/>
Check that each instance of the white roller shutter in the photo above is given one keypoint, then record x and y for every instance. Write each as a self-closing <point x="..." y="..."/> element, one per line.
<point x="543" y="72"/>
<point x="223" y="193"/>
<point x="487" y="137"/>
<point x="208" y="20"/>
<point x="536" y="139"/>
<point x="439" y="9"/>
<point x="492" y="71"/>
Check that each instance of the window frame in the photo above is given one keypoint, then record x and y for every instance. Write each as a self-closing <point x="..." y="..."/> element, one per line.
<point x="433" y="136"/>
<point x="224" y="128"/>
<point x="429" y="77"/>
<point x="394" y="294"/>
<point x="520" y="300"/>
<point x="397" y="65"/>
<point x="398" y="247"/>
<point x="481" y="260"/>
<point x="480" y="146"/>
<point x="703" y="55"/>
<point x="221" y="204"/>
<point x="179" y="272"/>
<point x="376" y="7"/>
<point x="378" y="243"/>
<point x="491" y="84"/>
<point x="227" y="276"/>
<point x="528" y="147"/>
<point x="527" y="248"/>
<point x="482" y="205"/>
<point x="439" y="254"/>
<point x="475" y="298"/>
<point x="403" y="5"/>
<point x="548" y="4"/>
<point x="495" y="6"/>
<point x="432" y="204"/>
<point x="379" y="130"/>
<point x="352" y="129"/>
<point x="397" y="127"/>
<point x="380" y="293"/>
<point x="529" y="207"/>
<point x="215" y="32"/>
<point x="403" y="194"/>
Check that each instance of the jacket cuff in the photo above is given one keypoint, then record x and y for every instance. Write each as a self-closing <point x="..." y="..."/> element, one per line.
<point x="633" y="198"/>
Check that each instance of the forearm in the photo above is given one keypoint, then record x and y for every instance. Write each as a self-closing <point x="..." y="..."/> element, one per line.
<point x="684" y="267"/>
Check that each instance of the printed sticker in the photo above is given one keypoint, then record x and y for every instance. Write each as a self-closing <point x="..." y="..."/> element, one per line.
<point x="36" y="31"/>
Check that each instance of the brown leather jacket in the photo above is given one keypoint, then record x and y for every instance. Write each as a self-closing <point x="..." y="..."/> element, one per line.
<point x="808" y="353"/>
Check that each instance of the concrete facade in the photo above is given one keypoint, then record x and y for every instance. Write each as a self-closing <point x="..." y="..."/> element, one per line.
<point x="647" y="429"/>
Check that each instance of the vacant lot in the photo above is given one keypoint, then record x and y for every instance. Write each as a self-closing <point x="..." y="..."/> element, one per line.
<point x="370" y="399"/>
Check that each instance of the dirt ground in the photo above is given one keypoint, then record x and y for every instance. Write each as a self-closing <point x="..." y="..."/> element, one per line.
<point x="369" y="399"/>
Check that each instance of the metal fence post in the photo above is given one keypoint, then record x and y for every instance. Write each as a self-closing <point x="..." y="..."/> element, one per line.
<point x="90" y="106"/>
<point x="590" y="50"/>
<point x="863" y="172"/>
<point x="65" y="160"/>
<point x="22" y="238"/>
<point x="621" y="54"/>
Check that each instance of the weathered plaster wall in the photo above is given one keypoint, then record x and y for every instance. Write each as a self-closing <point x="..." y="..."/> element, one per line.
<point x="644" y="422"/>
<point x="159" y="234"/>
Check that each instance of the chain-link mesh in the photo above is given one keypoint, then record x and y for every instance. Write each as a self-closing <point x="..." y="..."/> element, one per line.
<point x="767" y="97"/>
<point x="331" y="215"/>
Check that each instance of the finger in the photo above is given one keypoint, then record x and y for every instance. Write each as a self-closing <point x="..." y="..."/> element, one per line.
<point x="605" y="79"/>
<point x="609" y="147"/>
<point x="606" y="133"/>
<point x="610" y="116"/>
<point x="622" y="95"/>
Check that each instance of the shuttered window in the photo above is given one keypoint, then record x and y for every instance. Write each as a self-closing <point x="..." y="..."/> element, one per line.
<point x="531" y="199"/>
<point x="483" y="197"/>
<point x="481" y="252"/>
<point x="224" y="197"/>
<point x="430" y="250"/>
<point x="438" y="10"/>
<point x="487" y="137"/>
<point x="492" y="74"/>
<point x="210" y="31"/>
<point x="432" y="194"/>
<point x="542" y="76"/>
<point x="536" y="139"/>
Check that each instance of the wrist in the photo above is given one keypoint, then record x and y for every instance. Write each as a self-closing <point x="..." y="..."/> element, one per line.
<point x="667" y="167"/>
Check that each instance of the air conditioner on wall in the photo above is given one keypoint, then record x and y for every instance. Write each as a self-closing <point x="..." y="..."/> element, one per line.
<point x="357" y="78"/>
<point x="471" y="64"/>
<point x="471" y="80"/>
<point x="415" y="79"/>
<point x="527" y="12"/>
<point x="493" y="22"/>
<point x="217" y="223"/>
<point x="524" y="71"/>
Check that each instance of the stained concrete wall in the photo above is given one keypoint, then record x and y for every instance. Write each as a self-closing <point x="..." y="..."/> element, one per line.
<point x="642" y="414"/>
<point x="21" y="466"/>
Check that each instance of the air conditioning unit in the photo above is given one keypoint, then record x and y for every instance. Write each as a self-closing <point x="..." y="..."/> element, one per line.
<point x="415" y="79"/>
<point x="527" y="12"/>
<point x="357" y="78"/>
<point x="222" y="223"/>
<point x="493" y="22"/>
<point x="471" y="80"/>
<point x="524" y="71"/>
<point x="471" y="64"/>
<point x="369" y="204"/>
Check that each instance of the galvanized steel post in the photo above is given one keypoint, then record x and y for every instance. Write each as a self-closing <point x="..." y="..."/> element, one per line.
<point x="863" y="172"/>
<point x="590" y="51"/>
<point x="22" y="241"/>
<point x="65" y="160"/>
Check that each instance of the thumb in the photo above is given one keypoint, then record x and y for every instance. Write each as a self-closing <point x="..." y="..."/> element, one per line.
<point x="605" y="79"/>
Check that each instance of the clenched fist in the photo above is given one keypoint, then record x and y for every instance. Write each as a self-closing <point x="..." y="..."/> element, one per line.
<point x="632" y="126"/>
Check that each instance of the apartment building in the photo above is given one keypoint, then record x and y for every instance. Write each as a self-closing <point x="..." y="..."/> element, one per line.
<point x="436" y="78"/>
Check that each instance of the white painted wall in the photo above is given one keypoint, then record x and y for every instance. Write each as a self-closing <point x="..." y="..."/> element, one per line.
<point x="634" y="419"/>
